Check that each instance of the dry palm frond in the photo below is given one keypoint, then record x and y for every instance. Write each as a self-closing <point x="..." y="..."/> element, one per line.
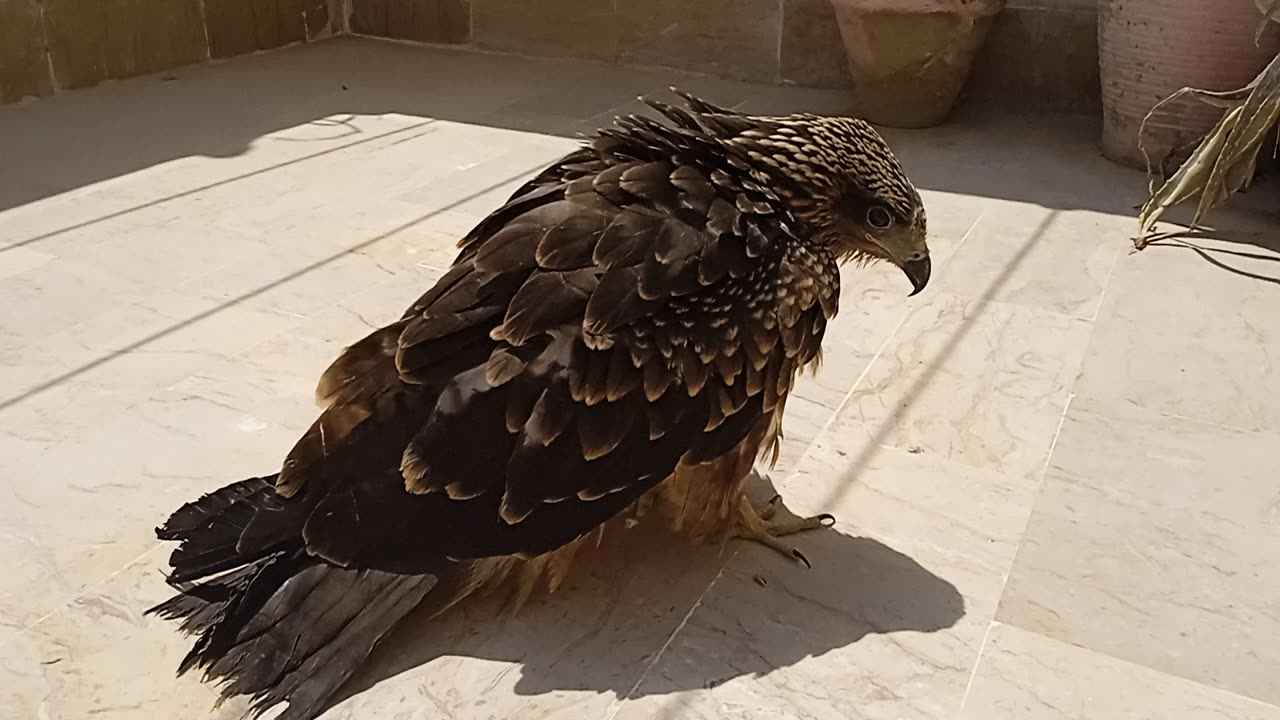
<point x="1225" y="160"/>
<point x="1270" y="10"/>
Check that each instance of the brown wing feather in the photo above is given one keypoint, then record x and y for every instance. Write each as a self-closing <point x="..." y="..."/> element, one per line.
<point x="593" y="337"/>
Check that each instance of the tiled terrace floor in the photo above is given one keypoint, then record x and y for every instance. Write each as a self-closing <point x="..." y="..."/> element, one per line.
<point x="1057" y="471"/>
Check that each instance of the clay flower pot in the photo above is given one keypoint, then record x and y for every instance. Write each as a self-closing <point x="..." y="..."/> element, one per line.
<point x="911" y="58"/>
<point x="1149" y="49"/>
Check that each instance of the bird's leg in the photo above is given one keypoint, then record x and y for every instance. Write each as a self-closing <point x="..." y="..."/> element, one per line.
<point x="762" y="527"/>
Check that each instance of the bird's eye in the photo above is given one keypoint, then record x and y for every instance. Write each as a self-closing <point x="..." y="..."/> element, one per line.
<point x="879" y="218"/>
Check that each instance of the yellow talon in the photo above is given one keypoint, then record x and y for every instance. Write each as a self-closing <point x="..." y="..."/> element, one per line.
<point x="760" y="526"/>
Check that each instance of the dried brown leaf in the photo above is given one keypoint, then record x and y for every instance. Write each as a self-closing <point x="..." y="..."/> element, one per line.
<point x="1270" y="11"/>
<point x="1224" y="161"/>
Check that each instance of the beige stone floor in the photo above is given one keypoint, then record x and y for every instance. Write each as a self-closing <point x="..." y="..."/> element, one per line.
<point x="1056" y="471"/>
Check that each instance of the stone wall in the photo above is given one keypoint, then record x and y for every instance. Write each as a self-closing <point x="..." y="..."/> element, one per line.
<point x="1041" y="55"/>
<point x="48" y="46"/>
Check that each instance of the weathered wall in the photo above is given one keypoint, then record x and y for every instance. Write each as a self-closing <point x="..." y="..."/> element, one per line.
<point x="1041" y="55"/>
<point x="52" y="45"/>
<point x="430" y="21"/>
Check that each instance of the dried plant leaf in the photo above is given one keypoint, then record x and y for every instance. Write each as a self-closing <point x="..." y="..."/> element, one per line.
<point x="1255" y="118"/>
<point x="1191" y="178"/>
<point x="1225" y="160"/>
<point x="1270" y="11"/>
<point x="1226" y="100"/>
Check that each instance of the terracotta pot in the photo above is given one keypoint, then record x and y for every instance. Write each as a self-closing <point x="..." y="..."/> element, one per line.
<point x="911" y="58"/>
<point x="1149" y="49"/>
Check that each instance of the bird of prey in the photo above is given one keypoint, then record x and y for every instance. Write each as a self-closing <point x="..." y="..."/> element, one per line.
<point x="617" y="339"/>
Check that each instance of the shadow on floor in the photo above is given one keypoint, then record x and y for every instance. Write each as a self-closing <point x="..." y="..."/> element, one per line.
<point x="1211" y="246"/>
<point x="601" y="631"/>
<point x="219" y="110"/>
<point x="1239" y="237"/>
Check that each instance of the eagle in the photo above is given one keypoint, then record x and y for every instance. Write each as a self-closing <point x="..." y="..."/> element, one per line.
<point x="616" y="341"/>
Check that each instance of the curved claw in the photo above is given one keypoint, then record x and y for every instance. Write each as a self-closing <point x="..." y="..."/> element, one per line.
<point x="800" y="556"/>
<point x="760" y="526"/>
<point x="771" y="508"/>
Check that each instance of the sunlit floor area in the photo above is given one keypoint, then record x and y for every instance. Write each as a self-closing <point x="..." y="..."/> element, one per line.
<point x="1054" y="471"/>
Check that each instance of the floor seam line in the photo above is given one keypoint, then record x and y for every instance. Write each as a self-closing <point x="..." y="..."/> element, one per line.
<point x="613" y="711"/>
<point x="86" y="590"/>
<point x="1040" y="483"/>
<point x="1177" y="676"/>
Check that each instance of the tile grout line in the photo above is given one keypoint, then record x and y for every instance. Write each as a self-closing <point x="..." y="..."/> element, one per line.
<point x="192" y="191"/>
<point x="1044" y="472"/>
<point x="616" y="707"/>
<point x="835" y="413"/>
<point x="1123" y="661"/>
<point x="1106" y="285"/>
<point x="85" y="590"/>
<point x="1097" y="313"/>
<point x="1210" y="423"/>
<point x="839" y="408"/>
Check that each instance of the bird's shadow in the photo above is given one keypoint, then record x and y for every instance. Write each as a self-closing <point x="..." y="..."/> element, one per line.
<point x="757" y="613"/>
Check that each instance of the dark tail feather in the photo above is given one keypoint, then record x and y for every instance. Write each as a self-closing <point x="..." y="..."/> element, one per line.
<point x="277" y="624"/>
<point x="197" y="606"/>
<point x="210" y="529"/>
<point x="305" y="656"/>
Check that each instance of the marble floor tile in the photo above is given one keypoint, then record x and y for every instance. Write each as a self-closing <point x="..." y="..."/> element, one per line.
<point x="588" y="92"/>
<point x="130" y="350"/>
<point x="1025" y="676"/>
<point x="1191" y="331"/>
<point x="102" y="658"/>
<point x="275" y="380"/>
<point x="564" y="655"/>
<point x="179" y="266"/>
<point x="889" y="620"/>
<point x="874" y="303"/>
<point x="1047" y="160"/>
<point x="16" y="260"/>
<point x="1154" y="540"/>
<point x="44" y="299"/>
<point x="484" y="186"/>
<point x="430" y="241"/>
<point x="567" y="655"/>
<point x="1045" y="258"/>
<point x="794" y="98"/>
<point x="981" y="383"/>
<point x="89" y="504"/>
<point x="55" y="225"/>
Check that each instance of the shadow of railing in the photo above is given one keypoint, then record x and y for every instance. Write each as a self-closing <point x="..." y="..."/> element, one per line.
<point x="208" y="186"/>
<point x="858" y="464"/>
<point x="54" y="382"/>
<point x="81" y="138"/>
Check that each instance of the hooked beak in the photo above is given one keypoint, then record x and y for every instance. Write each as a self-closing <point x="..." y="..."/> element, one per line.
<point x="917" y="272"/>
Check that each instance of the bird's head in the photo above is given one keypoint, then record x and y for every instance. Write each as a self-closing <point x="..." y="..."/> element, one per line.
<point x="846" y="184"/>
